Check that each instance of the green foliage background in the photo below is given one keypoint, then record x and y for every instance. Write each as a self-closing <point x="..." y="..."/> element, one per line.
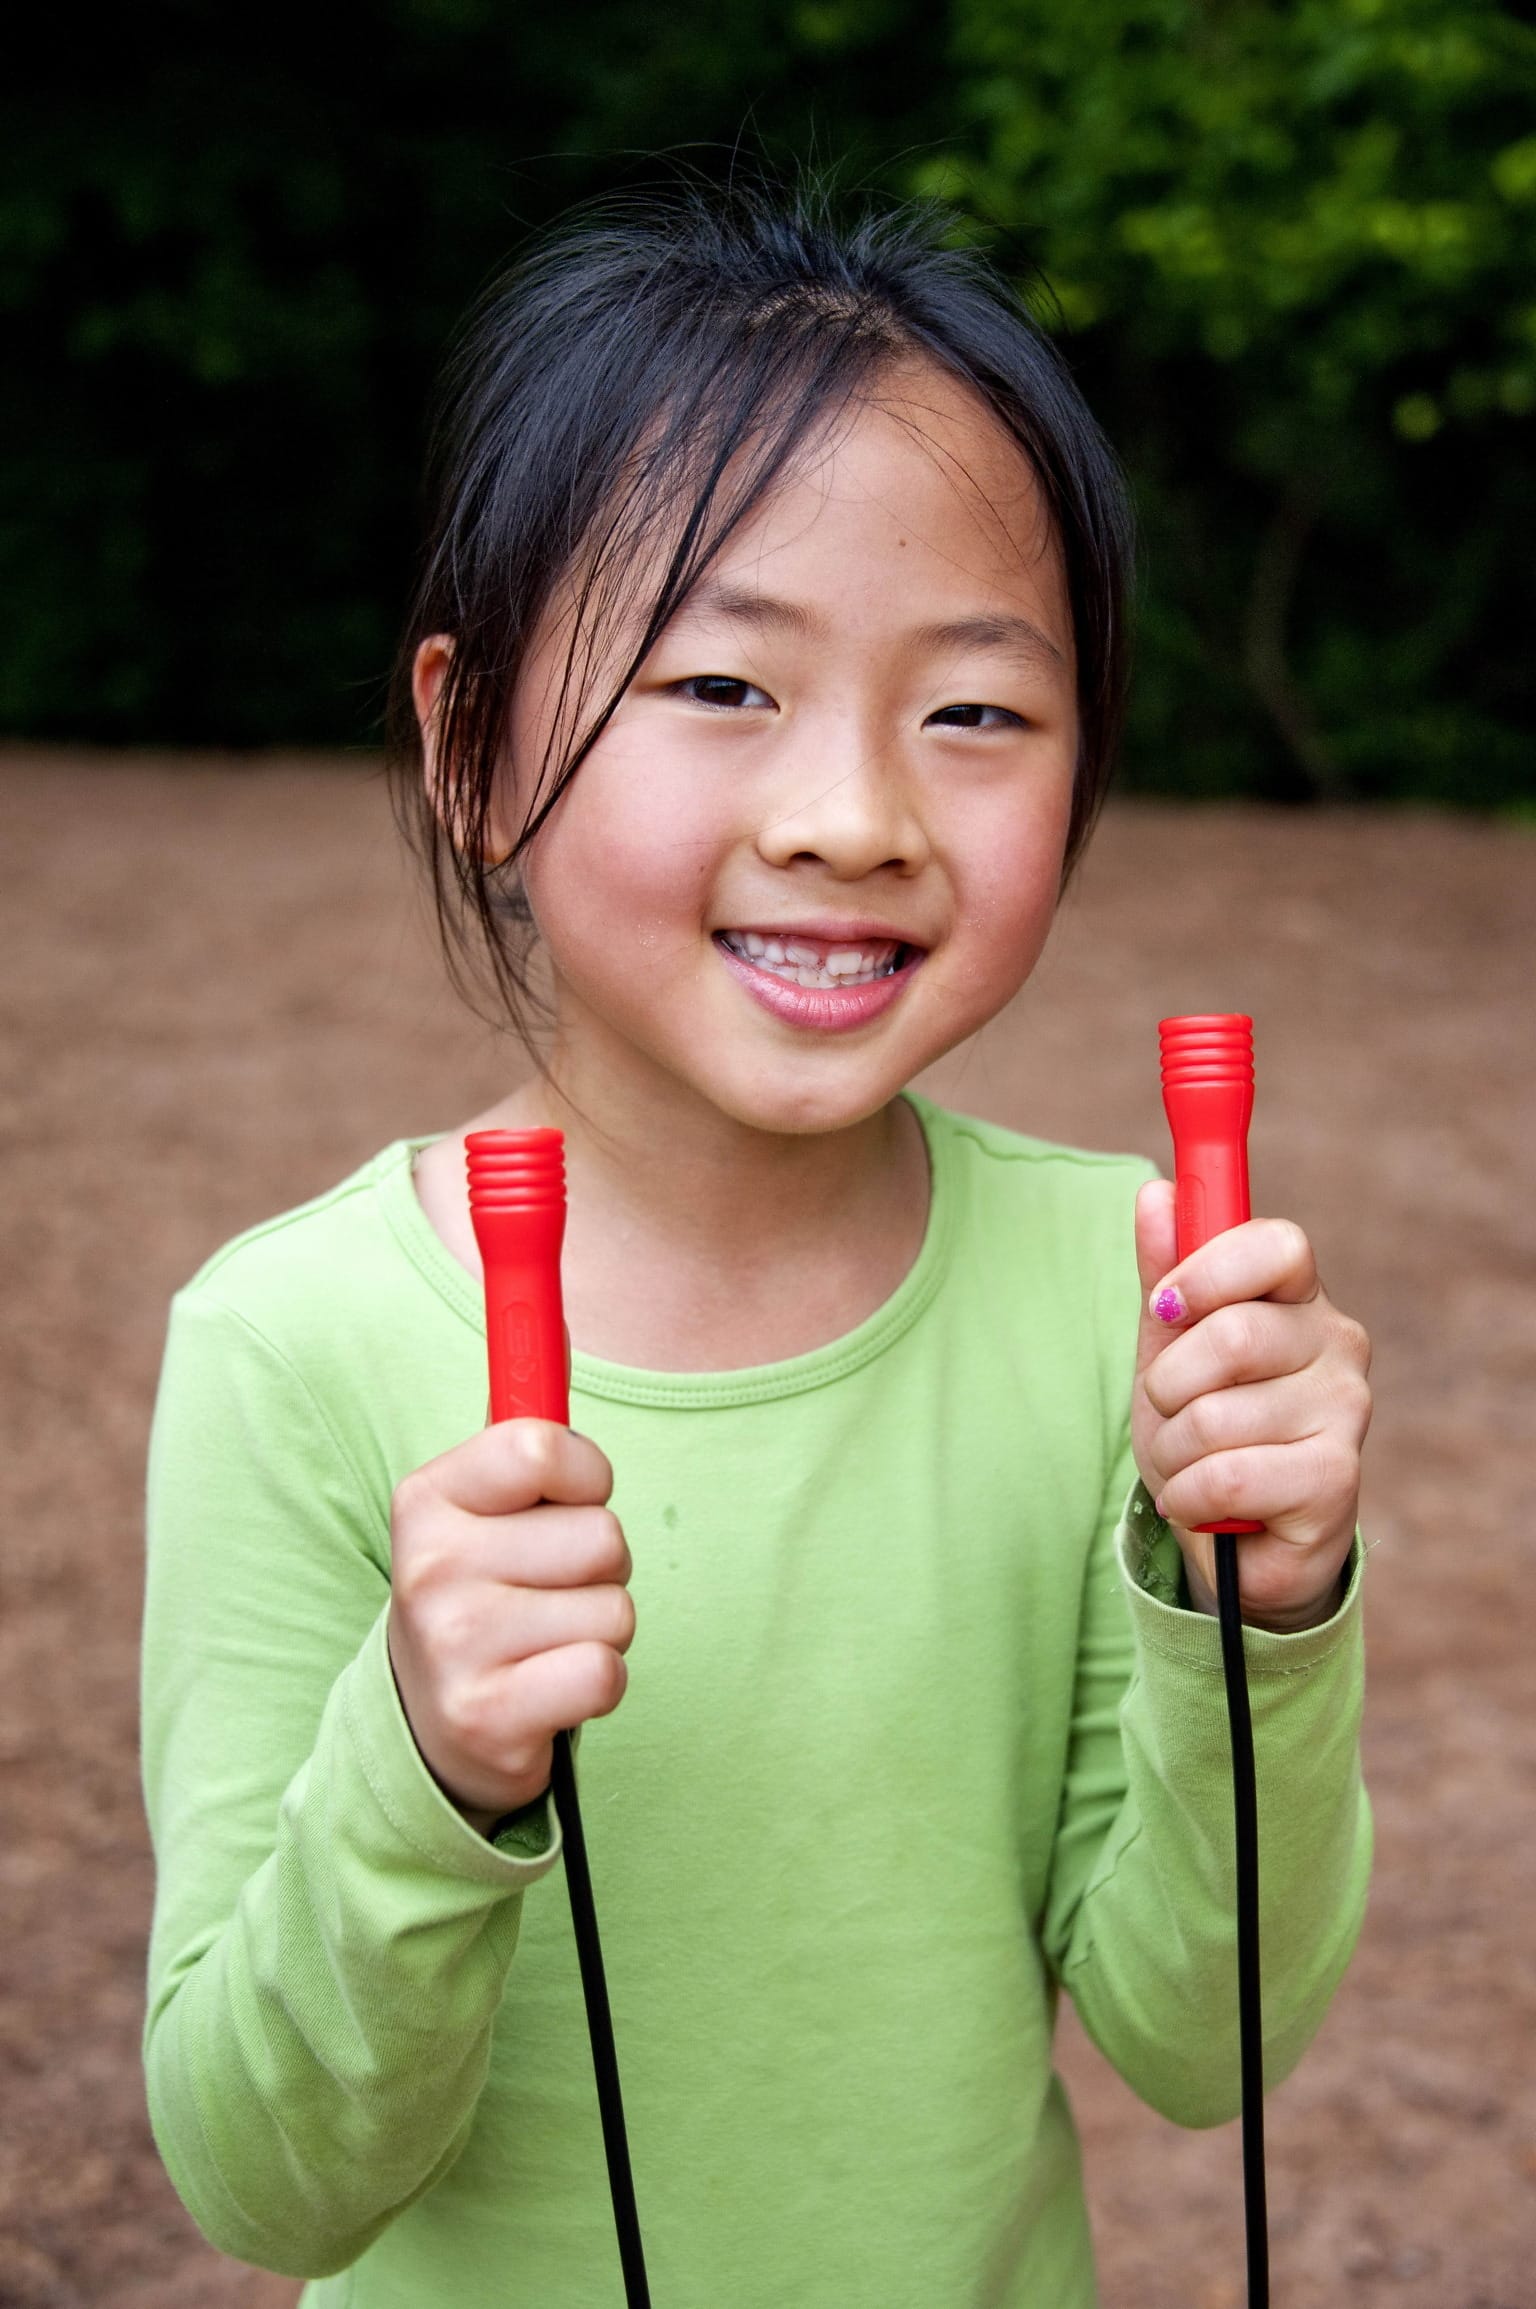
<point x="1289" y="249"/>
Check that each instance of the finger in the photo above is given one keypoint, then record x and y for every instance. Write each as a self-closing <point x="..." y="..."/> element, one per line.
<point x="1297" y="1489"/>
<point x="1261" y="1259"/>
<point x="1157" y="1242"/>
<point x="517" y="1464"/>
<point x="556" y="1690"/>
<point x="1267" y="1411"/>
<point x="1234" y="1347"/>
<point x="516" y="1624"/>
<point x="1156" y="1252"/>
<point x="540" y="1546"/>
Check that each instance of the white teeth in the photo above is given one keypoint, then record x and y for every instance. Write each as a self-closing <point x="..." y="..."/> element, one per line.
<point x="798" y="964"/>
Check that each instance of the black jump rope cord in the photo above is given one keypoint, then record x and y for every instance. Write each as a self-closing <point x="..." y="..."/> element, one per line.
<point x="605" y="2065"/>
<point x="605" y="2061"/>
<point x="1249" y="2009"/>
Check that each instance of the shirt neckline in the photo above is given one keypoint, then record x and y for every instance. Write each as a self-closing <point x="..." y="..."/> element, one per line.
<point x="693" y="1390"/>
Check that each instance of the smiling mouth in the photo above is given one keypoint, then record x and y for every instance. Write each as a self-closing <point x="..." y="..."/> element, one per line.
<point x="818" y="963"/>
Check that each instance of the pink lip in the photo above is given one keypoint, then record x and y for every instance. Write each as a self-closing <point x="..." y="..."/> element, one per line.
<point x="829" y="1009"/>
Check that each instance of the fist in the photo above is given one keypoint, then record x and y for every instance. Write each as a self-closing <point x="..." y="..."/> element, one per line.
<point x="509" y="1615"/>
<point x="1251" y="1404"/>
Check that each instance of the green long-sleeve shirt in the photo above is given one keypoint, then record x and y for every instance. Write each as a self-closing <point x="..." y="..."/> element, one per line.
<point x="915" y="1735"/>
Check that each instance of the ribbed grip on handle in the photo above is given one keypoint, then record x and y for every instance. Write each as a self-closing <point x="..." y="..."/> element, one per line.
<point x="517" y="1207"/>
<point x="1208" y="1096"/>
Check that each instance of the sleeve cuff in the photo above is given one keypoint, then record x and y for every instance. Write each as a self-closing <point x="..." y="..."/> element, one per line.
<point x="1153" y="1567"/>
<point x="525" y="1844"/>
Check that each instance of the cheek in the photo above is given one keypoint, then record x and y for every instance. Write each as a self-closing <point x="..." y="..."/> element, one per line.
<point x="1010" y="888"/>
<point x="620" y="864"/>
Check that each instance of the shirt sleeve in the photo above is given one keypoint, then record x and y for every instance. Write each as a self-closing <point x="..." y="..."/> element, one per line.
<point x="331" y="1938"/>
<point x="1140" y="1921"/>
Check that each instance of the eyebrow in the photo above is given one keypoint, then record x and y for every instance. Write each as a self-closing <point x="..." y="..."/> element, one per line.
<point x="1015" y="637"/>
<point x="739" y="606"/>
<point x="1012" y="636"/>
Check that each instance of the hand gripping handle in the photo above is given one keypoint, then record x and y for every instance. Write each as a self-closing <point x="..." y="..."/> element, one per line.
<point x="517" y="1207"/>
<point x="1208" y="1097"/>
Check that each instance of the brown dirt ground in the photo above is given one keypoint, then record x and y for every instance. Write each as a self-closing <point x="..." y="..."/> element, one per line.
<point x="218" y="996"/>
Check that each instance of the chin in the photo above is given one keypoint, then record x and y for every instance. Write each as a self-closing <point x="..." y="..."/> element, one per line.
<point x="803" y="1110"/>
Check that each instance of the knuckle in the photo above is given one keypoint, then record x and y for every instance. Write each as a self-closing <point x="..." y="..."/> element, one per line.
<point x="1338" y="1473"/>
<point x="413" y="1495"/>
<point x="1203" y="1424"/>
<point x="423" y="1562"/>
<point x="600" y="1474"/>
<point x="453" y="1619"/>
<point x="1320" y="1480"/>
<point x="1155" y="1387"/>
<point x="601" y="1680"/>
<point x="611" y="1549"/>
<point x="527" y="1765"/>
<point x="1164" y="1453"/>
<point x="466" y="1713"/>
<point x="1183" y="1499"/>
<point x="1356" y="1400"/>
<point x="614" y="1678"/>
<point x="619" y="1614"/>
<point x="1237" y="1485"/>
<point x="1238" y="1335"/>
<point x="1292" y="1245"/>
<point x="534" y="1447"/>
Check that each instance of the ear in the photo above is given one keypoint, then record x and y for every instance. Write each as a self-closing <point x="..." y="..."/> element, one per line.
<point x="429" y="670"/>
<point x="429" y="673"/>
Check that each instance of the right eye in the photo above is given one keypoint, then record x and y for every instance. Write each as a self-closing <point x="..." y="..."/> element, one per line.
<point x="723" y="691"/>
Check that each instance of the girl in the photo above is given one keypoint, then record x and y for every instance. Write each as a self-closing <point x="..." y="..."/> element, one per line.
<point x="766" y="669"/>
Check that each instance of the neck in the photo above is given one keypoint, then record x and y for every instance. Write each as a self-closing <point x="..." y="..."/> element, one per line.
<point x="720" y="1193"/>
<point x="698" y="1242"/>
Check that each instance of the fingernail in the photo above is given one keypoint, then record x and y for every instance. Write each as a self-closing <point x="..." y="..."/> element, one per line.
<point x="1158" y="1504"/>
<point x="1168" y="1305"/>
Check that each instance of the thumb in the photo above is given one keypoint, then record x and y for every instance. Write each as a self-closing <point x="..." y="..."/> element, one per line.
<point x="1157" y="1253"/>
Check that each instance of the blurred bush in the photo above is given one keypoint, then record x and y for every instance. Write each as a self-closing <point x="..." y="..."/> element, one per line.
<point x="233" y="245"/>
<point x="1294" y="246"/>
<point x="1288" y="247"/>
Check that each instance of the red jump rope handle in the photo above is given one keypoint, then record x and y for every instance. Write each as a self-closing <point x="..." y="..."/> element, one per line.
<point x="517" y="1206"/>
<point x="1208" y="1095"/>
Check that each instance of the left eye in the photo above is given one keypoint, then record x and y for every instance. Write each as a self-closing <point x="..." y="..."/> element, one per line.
<point x="974" y="717"/>
<point x="723" y="689"/>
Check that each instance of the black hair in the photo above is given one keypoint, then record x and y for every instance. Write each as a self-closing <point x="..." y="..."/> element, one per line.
<point x="651" y="369"/>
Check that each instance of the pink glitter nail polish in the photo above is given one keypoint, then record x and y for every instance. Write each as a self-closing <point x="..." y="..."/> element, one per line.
<point x="1168" y="1305"/>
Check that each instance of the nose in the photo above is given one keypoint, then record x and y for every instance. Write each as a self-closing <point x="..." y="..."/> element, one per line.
<point x="846" y="804"/>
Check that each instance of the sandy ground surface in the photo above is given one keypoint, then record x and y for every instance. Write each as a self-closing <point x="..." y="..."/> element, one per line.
<point x="218" y="996"/>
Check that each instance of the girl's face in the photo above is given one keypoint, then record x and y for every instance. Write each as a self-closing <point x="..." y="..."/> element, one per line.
<point x="821" y="841"/>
